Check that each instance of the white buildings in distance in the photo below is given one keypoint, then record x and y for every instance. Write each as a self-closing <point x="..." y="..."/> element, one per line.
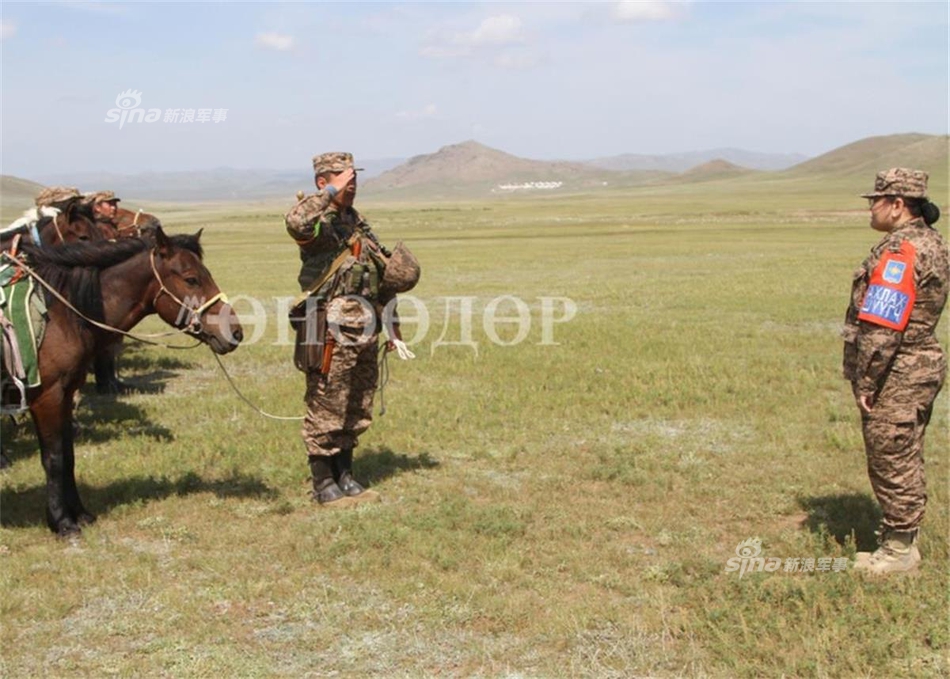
<point x="529" y="186"/>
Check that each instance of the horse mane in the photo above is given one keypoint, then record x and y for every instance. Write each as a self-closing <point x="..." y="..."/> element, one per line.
<point x="73" y="269"/>
<point x="75" y="209"/>
<point x="185" y="241"/>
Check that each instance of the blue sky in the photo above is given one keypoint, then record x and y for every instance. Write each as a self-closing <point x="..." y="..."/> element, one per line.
<point x="539" y="80"/>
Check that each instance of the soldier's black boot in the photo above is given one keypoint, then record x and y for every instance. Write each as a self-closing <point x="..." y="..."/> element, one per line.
<point x="343" y="473"/>
<point x="325" y="489"/>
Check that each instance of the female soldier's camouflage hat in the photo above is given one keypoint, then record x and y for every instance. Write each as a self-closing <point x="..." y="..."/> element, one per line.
<point x="402" y="271"/>
<point x="335" y="161"/>
<point x="899" y="181"/>
<point x="52" y="195"/>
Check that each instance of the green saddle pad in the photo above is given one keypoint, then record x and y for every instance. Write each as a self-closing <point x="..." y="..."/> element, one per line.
<point x="25" y="308"/>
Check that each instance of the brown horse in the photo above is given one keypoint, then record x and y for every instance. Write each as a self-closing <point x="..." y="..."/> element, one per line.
<point x="118" y="284"/>
<point x="74" y="222"/>
<point x="129" y="223"/>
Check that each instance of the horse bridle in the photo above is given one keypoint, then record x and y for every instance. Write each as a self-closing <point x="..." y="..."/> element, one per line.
<point x="193" y="326"/>
<point x="134" y="226"/>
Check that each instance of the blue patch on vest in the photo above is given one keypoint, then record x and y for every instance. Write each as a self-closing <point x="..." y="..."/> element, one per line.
<point x="894" y="272"/>
<point x="885" y="303"/>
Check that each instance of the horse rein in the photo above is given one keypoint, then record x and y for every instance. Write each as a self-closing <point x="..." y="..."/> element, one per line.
<point x="59" y="233"/>
<point x="193" y="326"/>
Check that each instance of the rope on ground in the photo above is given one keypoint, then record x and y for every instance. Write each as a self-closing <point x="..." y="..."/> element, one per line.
<point x="245" y="399"/>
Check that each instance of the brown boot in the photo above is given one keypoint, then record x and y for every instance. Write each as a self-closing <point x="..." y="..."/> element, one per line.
<point x="898" y="553"/>
<point x="325" y="490"/>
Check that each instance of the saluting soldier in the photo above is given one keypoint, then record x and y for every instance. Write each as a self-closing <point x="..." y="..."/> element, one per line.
<point x="344" y="273"/>
<point x="893" y="359"/>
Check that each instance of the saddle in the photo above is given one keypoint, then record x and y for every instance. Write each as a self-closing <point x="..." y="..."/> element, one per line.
<point x="22" y="324"/>
<point x="27" y="225"/>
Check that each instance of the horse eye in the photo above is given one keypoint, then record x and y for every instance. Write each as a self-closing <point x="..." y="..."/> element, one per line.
<point x="192" y="281"/>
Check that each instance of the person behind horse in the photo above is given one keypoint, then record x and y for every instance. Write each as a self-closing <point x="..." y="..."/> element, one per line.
<point x="58" y="197"/>
<point x="46" y="223"/>
<point x="104" y="206"/>
<point x="341" y="386"/>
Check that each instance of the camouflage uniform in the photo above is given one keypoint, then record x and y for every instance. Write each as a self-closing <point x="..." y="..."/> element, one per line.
<point x="340" y="402"/>
<point x="891" y="354"/>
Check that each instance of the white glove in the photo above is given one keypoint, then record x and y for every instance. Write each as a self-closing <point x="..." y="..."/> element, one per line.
<point x="403" y="350"/>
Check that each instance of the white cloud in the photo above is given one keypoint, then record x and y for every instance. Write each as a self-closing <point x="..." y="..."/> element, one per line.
<point x="503" y="29"/>
<point x="274" y="41"/>
<point x="495" y="31"/>
<point x="7" y="30"/>
<point x="427" y="111"/>
<point x="634" y="11"/>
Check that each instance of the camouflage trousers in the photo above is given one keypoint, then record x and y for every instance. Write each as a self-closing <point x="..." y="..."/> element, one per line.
<point x="340" y="403"/>
<point x="894" y="443"/>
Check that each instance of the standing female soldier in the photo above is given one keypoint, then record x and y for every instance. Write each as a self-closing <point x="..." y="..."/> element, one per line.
<point x="892" y="357"/>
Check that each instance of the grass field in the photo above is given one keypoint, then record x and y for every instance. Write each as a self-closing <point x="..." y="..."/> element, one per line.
<point x="548" y="510"/>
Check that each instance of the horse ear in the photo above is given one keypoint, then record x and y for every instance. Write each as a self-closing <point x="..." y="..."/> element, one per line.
<point x="162" y="242"/>
<point x="198" y="234"/>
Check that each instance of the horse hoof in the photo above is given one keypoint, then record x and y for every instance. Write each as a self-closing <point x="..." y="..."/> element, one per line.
<point x="85" y="519"/>
<point x="5" y="462"/>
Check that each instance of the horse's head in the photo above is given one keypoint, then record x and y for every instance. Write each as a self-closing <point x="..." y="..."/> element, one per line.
<point x="131" y="223"/>
<point x="187" y="297"/>
<point x="74" y="223"/>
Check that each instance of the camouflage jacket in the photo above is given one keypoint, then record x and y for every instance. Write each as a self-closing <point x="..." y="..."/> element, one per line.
<point x="322" y="232"/>
<point x="895" y="331"/>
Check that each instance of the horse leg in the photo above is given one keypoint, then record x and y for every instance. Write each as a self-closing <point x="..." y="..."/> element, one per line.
<point x="107" y="378"/>
<point x="52" y="414"/>
<point x="74" y="506"/>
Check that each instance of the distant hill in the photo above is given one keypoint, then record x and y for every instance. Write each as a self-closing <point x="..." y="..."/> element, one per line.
<point x="471" y="163"/>
<point x="16" y="195"/>
<point x="473" y="170"/>
<point x="868" y="156"/>
<point x="714" y="170"/>
<point x="682" y="162"/>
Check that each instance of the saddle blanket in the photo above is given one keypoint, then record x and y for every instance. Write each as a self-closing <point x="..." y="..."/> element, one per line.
<point x="23" y="310"/>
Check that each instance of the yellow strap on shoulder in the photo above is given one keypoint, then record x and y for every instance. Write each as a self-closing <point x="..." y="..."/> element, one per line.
<point x="334" y="265"/>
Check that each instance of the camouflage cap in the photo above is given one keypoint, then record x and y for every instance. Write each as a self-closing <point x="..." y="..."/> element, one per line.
<point x="402" y="271"/>
<point x="99" y="197"/>
<point x="51" y="195"/>
<point x="899" y="181"/>
<point x="335" y="161"/>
